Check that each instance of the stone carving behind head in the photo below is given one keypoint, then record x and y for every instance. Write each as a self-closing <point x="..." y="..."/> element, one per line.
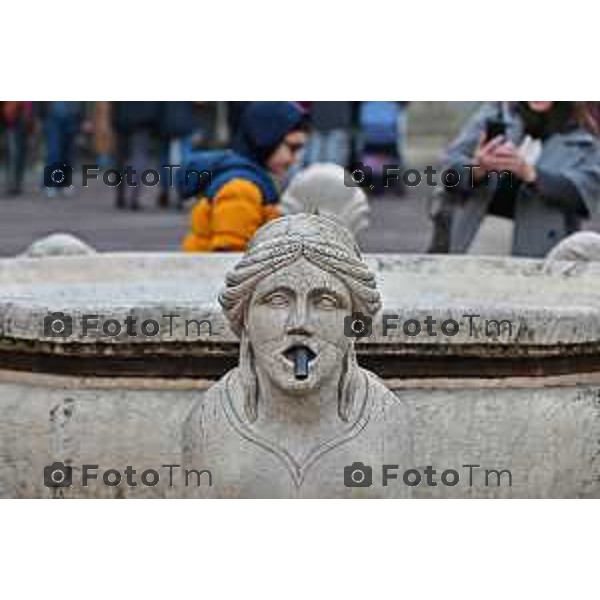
<point x="582" y="246"/>
<point x="326" y="244"/>
<point x="58" y="244"/>
<point x="321" y="188"/>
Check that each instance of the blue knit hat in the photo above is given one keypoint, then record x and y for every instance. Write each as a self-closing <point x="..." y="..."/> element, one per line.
<point x="263" y="125"/>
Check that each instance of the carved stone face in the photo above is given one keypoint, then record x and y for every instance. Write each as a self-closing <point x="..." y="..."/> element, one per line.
<point x="304" y="305"/>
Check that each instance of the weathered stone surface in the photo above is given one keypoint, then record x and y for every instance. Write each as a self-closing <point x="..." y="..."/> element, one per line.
<point x="542" y="303"/>
<point x="58" y="244"/>
<point x="544" y="429"/>
<point x="548" y="437"/>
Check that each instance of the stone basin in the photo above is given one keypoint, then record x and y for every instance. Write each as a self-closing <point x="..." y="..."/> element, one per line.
<point x="524" y="398"/>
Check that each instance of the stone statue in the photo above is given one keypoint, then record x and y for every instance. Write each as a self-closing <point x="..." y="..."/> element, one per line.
<point x="583" y="246"/>
<point x="321" y="188"/>
<point x="298" y="409"/>
<point x="58" y="244"/>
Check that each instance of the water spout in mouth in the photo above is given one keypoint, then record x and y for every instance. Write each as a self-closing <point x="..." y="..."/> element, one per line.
<point x="301" y="357"/>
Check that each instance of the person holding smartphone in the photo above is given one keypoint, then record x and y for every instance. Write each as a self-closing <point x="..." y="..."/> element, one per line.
<point x="529" y="174"/>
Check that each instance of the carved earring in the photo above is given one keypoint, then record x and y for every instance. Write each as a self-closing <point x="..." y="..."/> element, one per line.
<point x="345" y="387"/>
<point x="249" y="378"/>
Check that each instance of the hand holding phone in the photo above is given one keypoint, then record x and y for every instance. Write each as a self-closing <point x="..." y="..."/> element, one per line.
<point x="494" y="128"/>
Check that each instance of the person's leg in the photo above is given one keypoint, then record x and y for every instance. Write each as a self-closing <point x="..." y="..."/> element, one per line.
<point x="402" y="131"/>
<point x="187" y="146"/>
<point x="164" y="153"/>
<point x="494" y="237"/>
<point x="337" y="147"/>
<point x="181" y="151"/>
<point x="440" y="212"/>
<point x="122" y="152"/>
<point x="11" y="156"/>
<point x="138" y="159"/>
<point x="314" y="148"/>
<point x="68" y="133"/>
<point x="359" y="145"/>
<point x="53" y="150"/>
<point x="21" y="155"/>
<point x="52" y="131"/>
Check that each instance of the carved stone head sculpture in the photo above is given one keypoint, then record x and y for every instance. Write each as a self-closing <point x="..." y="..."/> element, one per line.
<point x="287" y="300"/>
<point x="298" y="408"/>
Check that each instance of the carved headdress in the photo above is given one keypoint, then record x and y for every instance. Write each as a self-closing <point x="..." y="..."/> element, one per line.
<point x="322" y="240"/>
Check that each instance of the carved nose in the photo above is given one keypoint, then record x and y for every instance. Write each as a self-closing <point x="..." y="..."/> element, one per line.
<point x="298" y="323"/>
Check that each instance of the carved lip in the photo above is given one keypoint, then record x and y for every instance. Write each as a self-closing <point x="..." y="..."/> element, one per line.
<point x="289" y="352"/>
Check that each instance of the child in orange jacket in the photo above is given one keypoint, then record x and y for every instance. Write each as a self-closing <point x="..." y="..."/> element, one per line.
<point x="243" y="192"/>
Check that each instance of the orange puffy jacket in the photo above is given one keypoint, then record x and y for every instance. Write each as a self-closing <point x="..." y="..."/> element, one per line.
<point x="228" y="221"/>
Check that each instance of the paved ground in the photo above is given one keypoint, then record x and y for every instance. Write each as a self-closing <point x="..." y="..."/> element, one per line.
<point x="397" y="224"/>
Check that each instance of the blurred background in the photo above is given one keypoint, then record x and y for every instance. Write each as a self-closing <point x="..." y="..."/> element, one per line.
<point x="36" y="134"/>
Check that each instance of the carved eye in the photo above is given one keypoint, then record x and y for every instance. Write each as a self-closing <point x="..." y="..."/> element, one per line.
<point x="326" y="301"/>
<point x="276" y="299"/>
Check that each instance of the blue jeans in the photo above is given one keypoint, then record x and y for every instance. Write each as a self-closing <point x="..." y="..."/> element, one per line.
<point x="60" y="139"/>
<point x="328" y="146"/>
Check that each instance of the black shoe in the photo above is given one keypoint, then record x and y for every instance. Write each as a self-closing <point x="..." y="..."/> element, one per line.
<point x="163" y="200"/>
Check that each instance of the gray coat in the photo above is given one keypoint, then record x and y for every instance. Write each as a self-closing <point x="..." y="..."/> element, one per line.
<point x="541" y="220"/>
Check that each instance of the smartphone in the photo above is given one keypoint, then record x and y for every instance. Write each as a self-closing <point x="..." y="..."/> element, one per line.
<point x="494" y="128"/>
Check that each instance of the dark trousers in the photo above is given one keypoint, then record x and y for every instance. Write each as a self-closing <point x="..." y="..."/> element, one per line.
<point x="133" y="149"/>
<point x="16" y="136"/>
<point x="60" y="139"/>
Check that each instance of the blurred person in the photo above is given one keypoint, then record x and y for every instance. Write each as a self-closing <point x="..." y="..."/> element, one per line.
<point x="134" y="124"/>
<point x="321" y="189"/>
<point x="244" y="189"/>
<point x="537" y="178"/>
<point x="331" y="133"/>
<point x="205" y="124"/>
<point x="235" y="110"/>
<point x="176" y="126"/>
<point x="380" y="141"/>
<point x="17" y="120"/>
<point x="103" y="133"/>
<point x="61" y="122"/>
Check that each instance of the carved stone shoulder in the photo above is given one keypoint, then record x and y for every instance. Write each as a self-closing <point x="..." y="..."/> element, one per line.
<point x="202" y="416"/>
